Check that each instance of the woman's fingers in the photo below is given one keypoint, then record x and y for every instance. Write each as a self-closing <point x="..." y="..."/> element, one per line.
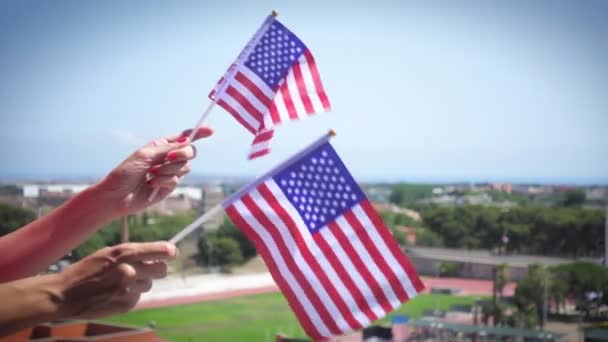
<point x="150" y="269"/>
<point x="178" y="169"/>
<point x="141" y="286"/>
<point x="163" y="181"/>
<point x="181" y="154"/>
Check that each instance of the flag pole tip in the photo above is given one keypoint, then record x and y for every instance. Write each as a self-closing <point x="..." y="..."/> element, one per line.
<point x="331" y="133"/>
<point x="275" y="13"/>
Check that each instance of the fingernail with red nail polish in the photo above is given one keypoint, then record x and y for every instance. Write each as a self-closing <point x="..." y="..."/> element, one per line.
<point x="171" y="155"/>
<point x="182" y="139"/>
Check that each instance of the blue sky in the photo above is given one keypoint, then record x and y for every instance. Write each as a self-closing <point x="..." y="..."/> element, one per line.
<point x="429" y="90"/>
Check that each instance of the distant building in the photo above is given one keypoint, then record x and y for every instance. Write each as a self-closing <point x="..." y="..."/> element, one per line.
<point x="504" y="187"/>
<point x="182" y="199"/>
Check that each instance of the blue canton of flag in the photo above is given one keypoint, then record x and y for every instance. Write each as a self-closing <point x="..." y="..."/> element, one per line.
<point x="320" y="187"/>
<point x="274" y="55"/>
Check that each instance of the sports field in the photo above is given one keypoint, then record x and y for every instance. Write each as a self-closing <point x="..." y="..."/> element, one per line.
<point x="251" y="318"/>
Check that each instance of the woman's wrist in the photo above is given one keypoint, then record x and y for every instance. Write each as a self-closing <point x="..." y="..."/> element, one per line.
<point x="30" y="301"/>
<point x="102" y="202"/>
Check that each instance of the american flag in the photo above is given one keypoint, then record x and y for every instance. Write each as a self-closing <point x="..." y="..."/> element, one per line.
<point x="275" y="79"/>
<point x="326" y="247"/>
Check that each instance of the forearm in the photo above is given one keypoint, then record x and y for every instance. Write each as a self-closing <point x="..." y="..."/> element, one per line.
<point x="30" y="250"/>
<point x="28" y="302"/>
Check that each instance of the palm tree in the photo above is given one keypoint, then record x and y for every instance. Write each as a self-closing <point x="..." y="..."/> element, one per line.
<point x="501" y="279"/>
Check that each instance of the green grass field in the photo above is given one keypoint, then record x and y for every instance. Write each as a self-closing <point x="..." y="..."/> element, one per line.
<point x="252" y="318"/>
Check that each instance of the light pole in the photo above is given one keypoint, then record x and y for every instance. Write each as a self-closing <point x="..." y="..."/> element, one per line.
<point x="606" y="231"/>
<point x="209" y="253"/>
<point x="544" y="298"/>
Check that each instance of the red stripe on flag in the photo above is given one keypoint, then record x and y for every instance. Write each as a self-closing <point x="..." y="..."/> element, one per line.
<point x="264" y="136"/>
<point x="297" y="73"/>
<point x="242" y="100"/>
<point x="291" y="109"/>
<point x="310" y="259"/>
<point x="291" y="264"/>
<point x="258" y="153"/>
<point x="371" y="247"/>
<point x="345" y="276"/>
<point x="236" y="115"/>
<point x="274" y="113"/>
<point x="392" y="245"/>
<point x="295" y="305"/>
<point x="247" y="83"/>
<point x="360" y="266"/>
<point x="316" y="77"/>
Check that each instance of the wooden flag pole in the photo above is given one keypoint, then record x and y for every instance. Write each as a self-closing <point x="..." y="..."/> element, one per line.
<point x="229" y="76"/>
<point x="219" y="207"/>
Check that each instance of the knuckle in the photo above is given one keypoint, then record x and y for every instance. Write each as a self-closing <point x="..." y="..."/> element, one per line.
<point x="126" y="273"/>
<point x="142" y="153"/>
<point x="121" y="251"/>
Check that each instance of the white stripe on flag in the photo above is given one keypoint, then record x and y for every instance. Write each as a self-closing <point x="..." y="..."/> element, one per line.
<point x="352" y="271"/>
<point x="310" y="86"/>
<point x="406" y="283"/>
<point x="243" y="113"/>
<point x="295" y="94"/>
<point x="255" y="79"/>
<point x="368" y="261"/>
<point x="268" y="124"/>
<point x="318" y="253"/>
<point x="281" y="108"/>
<point x="259" y="146"/>
<point x="249" y="96"/>
<point x="283" y="269"/>
<point x="308" y="273"/>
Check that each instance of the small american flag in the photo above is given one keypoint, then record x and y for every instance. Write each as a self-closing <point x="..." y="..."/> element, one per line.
<point x="324" y="244"/>
<point x="275" y="79"/>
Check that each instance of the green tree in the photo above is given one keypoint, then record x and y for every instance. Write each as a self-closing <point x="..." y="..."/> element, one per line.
<point x="574" y="198"/>
<point x="425" y="237"/>
<point x="406" y="194"/>
<point x="501" y="280"/>
<point x="585" y="278"/>
<point x="217" y="250"/>
<point x="530" y="292"/>
<point x="90" y="246"/>
<point x="12" y="218"/>
<point x="228" y="229"/>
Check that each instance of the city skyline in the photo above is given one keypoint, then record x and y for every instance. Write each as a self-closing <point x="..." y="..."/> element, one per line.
<point x="432" y="92"/>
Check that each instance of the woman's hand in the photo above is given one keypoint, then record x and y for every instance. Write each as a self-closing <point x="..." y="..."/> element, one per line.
<point x="111" y="280"/>
<point x="159" y="163"/>
<point x="108" y="282"/>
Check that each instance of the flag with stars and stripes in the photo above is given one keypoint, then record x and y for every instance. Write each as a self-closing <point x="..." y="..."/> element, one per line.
<point x="274" y="79"/>
<point x="326" y="247"/>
